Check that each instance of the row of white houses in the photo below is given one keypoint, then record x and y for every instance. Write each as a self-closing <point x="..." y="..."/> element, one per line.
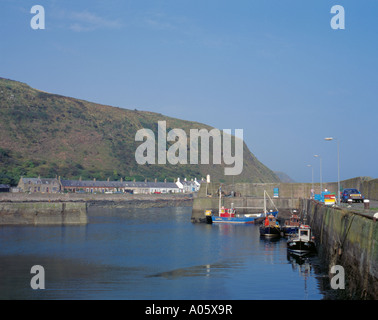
<point x="55" y="185"/>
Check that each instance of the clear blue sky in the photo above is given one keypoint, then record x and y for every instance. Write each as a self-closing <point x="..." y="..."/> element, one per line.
<point x="274" y="68"/>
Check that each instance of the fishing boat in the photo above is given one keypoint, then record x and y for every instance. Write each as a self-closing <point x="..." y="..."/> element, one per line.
<point x="303" y="243"/>
<point x="270" y="227"/>
<point x="229" y="215"/>
<point x="291" y="226"/>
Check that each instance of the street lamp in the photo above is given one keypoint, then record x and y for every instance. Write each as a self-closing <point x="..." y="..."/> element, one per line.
<point x="321" y="183"/>
<point x="312" y="180"/>
<point x="338" y="167"/>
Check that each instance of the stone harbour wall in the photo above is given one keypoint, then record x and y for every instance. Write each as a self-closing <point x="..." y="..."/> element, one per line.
<point x="350" y="240"/>
<point x="43" y="213"/>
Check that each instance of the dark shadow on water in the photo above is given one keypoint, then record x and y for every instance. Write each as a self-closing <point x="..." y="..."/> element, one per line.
<point x="196" y="271"/>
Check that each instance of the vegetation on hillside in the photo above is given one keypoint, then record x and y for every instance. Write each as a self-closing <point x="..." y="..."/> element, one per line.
<point x="51" y="135"/>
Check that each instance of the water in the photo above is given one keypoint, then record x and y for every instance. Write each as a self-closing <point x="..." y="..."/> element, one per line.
<point x="153" y="253"/>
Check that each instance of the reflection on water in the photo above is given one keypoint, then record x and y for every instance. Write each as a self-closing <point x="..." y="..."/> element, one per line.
<point x="153" y="253"/>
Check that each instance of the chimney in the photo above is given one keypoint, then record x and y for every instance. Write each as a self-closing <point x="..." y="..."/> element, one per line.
<point x="94" y="179"/>
<point x="165" y="180"/>
<point x="80" y="178"/>
<point x="155" y="180"/>
<point x="145" y="180"/>
<point x="108" y="179"/>
<point x="121" y="179"/>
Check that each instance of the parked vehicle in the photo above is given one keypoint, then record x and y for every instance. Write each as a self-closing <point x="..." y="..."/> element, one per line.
<point x="352" y="194"/>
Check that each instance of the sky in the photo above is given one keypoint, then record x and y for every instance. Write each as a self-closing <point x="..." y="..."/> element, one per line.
<point x="274" y="68"/>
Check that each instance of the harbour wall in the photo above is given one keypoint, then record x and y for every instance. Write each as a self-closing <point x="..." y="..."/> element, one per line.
<point x="43" y="213"/>
<point x="252" y="194"/>
<point x="65" y="209"/>
<point x="348" y="239"/>
<point x="367" y="186"/>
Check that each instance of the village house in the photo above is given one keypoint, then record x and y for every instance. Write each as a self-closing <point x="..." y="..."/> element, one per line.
<point x="163" y="187"/>
<point x="42" y="185"/>
<point x="49" y="185"/>
<point x="186" y="186"/>
<point x="93" y="186"/>
<point x="5" y="188"/>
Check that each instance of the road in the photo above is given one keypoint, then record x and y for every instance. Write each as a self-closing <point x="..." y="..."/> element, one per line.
<point x="359" y="207"/>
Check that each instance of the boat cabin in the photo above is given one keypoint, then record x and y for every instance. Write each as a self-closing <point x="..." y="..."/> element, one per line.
<point x="293" y="221"/>
<point x="226" y="213"/>
<point x="270" y="220"/>
<point x="304" y="233"/>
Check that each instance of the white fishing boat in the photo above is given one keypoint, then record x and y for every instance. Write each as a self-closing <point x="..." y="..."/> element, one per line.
<point x="303" y="243"/>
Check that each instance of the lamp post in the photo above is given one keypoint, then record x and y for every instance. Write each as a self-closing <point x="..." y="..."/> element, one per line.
<point x="321" y="183"/>
<point x="338" y="167"/>
<point x="312" y="180"/>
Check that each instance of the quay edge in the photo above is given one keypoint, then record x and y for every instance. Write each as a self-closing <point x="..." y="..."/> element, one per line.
<point x="350" y="240"/>
<point x="71" y="209"/>
<point x="43" y="213"/>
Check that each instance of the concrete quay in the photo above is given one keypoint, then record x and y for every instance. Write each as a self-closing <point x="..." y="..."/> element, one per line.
<point x="43" y="213"/>
<point x="348" y="239"/>
<point x="72" y="208"/>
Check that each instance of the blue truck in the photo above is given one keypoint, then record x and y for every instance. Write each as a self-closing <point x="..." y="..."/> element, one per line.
<point x="352" y="194"/>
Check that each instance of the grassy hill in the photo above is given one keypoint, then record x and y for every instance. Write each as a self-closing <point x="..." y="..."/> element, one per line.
<point x="51" y="135"/>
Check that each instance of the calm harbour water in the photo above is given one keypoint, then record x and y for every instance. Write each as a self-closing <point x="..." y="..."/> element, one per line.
<point x="154" y="253"/>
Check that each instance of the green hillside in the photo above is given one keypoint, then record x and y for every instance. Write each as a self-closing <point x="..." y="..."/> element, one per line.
<point x="51" y="135"/>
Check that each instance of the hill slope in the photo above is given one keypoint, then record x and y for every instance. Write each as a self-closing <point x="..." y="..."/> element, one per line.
<point x="284" y="177"/>
<point x="48" y="135"/>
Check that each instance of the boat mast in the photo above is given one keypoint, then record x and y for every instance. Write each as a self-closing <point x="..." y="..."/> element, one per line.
<point x="265" y="204"/>
<point x="270" y="200"/>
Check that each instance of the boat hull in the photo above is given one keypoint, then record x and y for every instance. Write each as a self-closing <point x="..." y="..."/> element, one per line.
<point x="239" y="220"/>
<point x="290" y="230"/>
<point x="300" y="247"/>
<point x="270" y="232"/>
